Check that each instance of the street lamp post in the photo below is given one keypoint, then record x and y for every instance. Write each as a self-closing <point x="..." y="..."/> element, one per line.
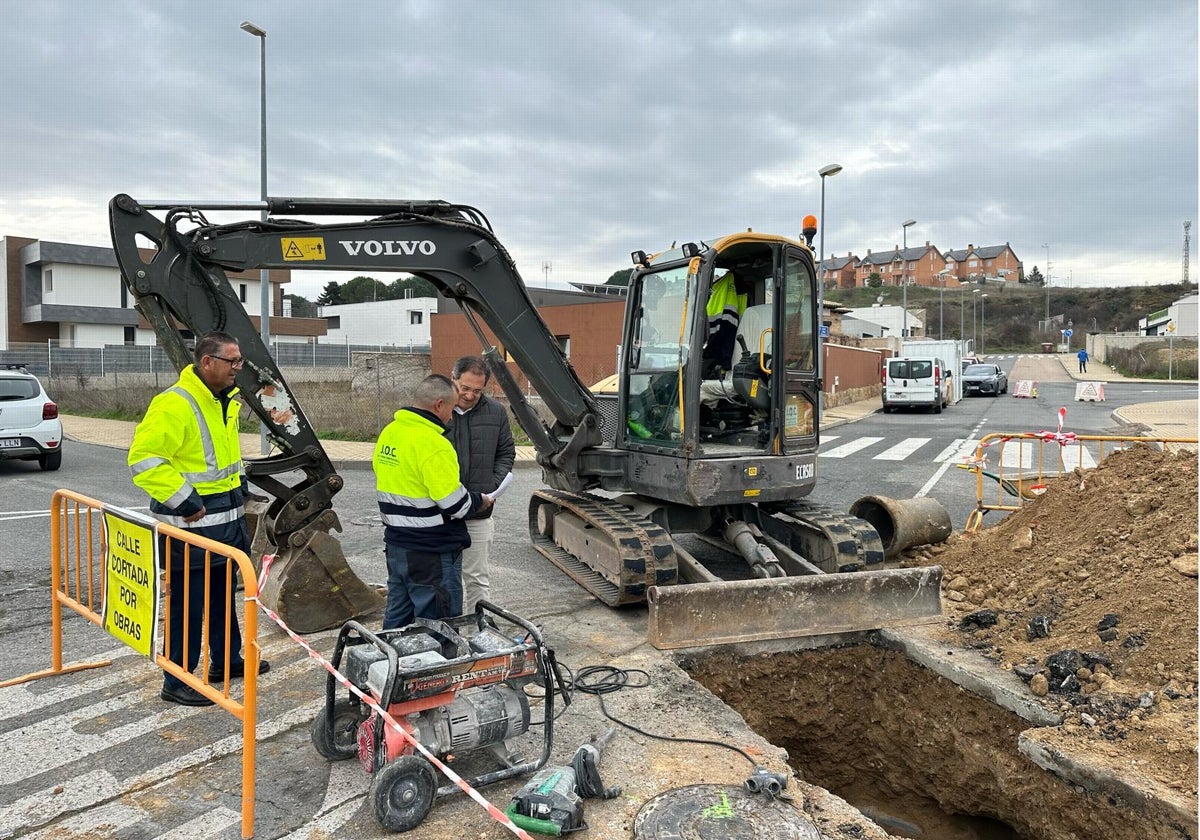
<point x="1047" y="282"/>
<point x="962" y="314"/>
<point x="825" y="172"/>
<point x="264" y="276"/>
<point x="942" y="303"/>
<point x="904" y="276"/>
<point x="974" y="320"/>
<point x="982" y="323"/>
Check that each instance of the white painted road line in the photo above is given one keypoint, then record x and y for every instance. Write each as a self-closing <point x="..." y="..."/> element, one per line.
<point x="902" y="449"/>
<point x="849" y="448"/>
<point x="211" y="824"/>
<point x="31" y="751"/>
<point x="72" y="793"/>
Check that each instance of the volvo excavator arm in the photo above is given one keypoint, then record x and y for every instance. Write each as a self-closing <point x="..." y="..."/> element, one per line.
<point x="175" y="266"/>
<point x="183" y="278"/>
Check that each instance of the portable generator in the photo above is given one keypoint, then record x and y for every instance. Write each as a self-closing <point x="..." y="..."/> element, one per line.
<point x="453" y="685"/>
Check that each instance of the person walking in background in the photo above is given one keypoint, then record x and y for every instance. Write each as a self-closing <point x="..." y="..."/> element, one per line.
<point x="483" y="440"/>
<point x="423" y="506"/>
<point x="186" y="456"/>
<point x="1083" y="359"/>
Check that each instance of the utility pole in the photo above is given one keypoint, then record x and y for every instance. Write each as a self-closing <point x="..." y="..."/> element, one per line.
<point x="546" y="266"/>
<point x="1187" y="241"/>
<point x="904" y="277"/>
<point x="1047" y="281"/>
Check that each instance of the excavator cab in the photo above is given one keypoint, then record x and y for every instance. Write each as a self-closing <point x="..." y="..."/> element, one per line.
<point x="718" y="370"/>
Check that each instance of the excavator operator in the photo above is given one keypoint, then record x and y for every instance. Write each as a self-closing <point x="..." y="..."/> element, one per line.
<point x="726" y="303"/>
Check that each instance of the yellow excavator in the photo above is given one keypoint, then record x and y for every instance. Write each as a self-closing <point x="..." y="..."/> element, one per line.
<point x="712" y="432"/>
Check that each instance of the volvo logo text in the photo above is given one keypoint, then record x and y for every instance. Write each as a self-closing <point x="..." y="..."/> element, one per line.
<point x="390" y="247"/>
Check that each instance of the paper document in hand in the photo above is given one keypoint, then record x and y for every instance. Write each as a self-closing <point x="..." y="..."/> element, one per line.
<point x="495" y="494"/>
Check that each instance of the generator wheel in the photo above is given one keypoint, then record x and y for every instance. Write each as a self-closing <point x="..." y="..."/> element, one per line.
<point x="340" y="741"/>
<point x="402" y="792"/>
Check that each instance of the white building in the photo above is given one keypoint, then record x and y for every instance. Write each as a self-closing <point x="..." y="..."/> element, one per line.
<point x="403" y="323"/>
<point x="73" y="295"/>
<point x="1182" y="313"/>
<point x="889" y="318"/>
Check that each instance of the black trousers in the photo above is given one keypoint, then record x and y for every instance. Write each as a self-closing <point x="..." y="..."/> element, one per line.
<point x="186" y="602"/>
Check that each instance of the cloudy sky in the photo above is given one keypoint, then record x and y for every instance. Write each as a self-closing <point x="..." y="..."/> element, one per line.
<point x="587" y="130"/>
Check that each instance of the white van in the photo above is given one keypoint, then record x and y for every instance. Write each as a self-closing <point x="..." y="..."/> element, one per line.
<point x="915" y="382"/>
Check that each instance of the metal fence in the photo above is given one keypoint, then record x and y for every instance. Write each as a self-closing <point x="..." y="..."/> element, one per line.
<point x="55" y="359"/>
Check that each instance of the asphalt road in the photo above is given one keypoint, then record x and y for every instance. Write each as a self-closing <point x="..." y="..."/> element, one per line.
<point x="910" y="453"/>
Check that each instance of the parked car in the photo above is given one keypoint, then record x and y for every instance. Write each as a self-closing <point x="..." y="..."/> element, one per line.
<point x="29" y="426"/>
<point x="916" y="382"/>
<point x="984" y="379"/>
<point x="967" y="361"/>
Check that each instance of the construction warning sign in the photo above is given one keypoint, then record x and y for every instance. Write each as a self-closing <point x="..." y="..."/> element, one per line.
<point x="1089" y="392"/>
<point x="131" y="587"/>
<point x="303" y="249"/>
<point x="1026" y="388"/>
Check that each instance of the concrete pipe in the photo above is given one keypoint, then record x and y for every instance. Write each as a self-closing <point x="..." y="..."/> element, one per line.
<point x="903" y="523"/>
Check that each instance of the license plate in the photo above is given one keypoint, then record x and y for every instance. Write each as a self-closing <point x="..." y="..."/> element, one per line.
<point x="9" y="443"/>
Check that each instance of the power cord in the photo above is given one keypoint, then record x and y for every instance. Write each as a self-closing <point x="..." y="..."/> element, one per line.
<point x="607" y="679"/>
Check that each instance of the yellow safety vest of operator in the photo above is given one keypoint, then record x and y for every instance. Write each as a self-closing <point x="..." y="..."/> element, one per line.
<point x="724" y="303"/>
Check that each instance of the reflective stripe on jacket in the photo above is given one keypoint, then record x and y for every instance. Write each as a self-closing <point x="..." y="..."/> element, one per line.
<point x="421" y="501"/>
<point x="186" y="448"/>
<point x="724" y="309"/>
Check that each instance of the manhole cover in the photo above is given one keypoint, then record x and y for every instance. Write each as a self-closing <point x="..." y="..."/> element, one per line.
<point x="720" y="812"/>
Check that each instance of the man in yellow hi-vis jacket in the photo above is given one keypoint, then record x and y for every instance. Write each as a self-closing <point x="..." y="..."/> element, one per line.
<point x="423" y="506"/>
<point x="186" y="456"/>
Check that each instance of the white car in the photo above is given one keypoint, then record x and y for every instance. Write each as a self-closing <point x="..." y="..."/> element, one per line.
<point x="29" y="426"/>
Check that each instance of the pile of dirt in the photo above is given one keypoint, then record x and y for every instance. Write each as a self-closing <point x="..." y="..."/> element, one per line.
<point x="1089" y="594"/>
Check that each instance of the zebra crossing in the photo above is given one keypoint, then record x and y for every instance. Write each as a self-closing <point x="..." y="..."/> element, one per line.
<point x="1015" y="455"/>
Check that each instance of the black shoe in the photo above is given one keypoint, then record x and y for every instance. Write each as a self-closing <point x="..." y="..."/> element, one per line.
<point x="184" y="695"/>
<point x="237" y="670"/>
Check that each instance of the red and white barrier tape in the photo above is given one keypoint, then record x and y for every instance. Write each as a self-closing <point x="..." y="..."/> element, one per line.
<point x="494" y="812"/>
<point x="1060" y="437"/>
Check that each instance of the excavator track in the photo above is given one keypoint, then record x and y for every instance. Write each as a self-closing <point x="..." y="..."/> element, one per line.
<point x="827" y="538"/>
<point x="611" y="553"/>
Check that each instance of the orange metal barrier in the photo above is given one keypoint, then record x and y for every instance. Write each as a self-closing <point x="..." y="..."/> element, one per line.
<point x="77" y="579"/>
<point x="1038" y="458"/>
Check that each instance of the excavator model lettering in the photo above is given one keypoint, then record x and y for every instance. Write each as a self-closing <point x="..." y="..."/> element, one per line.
<point x="711" y="433"/>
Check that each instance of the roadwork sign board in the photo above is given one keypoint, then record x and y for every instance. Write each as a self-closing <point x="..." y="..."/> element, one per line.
<point x="1026" y="388"/>
<point x="131" y="584"/>
<point x="1089" y="392"/>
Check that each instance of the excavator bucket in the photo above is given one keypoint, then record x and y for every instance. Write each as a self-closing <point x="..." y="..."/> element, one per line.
<point x="695" y="615"/>
<point x="311" y="586"/>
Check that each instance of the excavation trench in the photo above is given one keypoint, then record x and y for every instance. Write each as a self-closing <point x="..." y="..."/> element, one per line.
<point x="919" y="754"/>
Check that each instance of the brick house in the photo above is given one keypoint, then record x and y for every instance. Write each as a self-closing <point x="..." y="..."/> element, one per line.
<point x="993" y="262"/>
<point x="839" y="272"/>
<point x="920" y="264"/>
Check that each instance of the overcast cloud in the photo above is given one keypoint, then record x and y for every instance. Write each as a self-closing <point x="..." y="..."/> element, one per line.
<point x="587" y="130"/>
